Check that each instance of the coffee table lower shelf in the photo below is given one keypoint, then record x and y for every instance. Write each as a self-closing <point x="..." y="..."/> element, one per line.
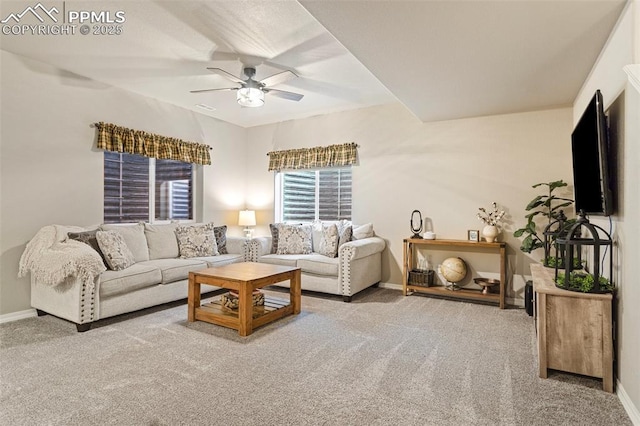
<point x="273" y="309"/>
<point x="462" y="293"/>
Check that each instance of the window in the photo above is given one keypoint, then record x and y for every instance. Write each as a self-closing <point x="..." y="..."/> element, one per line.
<point x="174" y="193"/>
<point x="314" y="194"/>
<point x="134" y="186"/>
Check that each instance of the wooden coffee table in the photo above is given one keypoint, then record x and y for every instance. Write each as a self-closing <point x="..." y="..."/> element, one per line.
<point x="244" y="278"/>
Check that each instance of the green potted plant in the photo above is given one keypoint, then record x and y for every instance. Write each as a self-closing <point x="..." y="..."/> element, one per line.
<point x="583" y="282"/>
<point x="551" y="206"/>
<point x="596" y="278"/>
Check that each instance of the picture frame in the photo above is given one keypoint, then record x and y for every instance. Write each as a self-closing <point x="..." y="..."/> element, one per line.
<point x="473" y="235"/>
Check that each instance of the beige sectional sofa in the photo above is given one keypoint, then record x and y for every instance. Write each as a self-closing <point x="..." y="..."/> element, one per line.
<point x="157" y="276"/>
<point x="357" y="266"/>
<point x="70" y="279"/>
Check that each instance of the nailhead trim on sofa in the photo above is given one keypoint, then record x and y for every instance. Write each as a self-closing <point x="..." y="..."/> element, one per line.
<point x="251" y="251"/>
<point x="345" y="268"/>
<point x="87" y="304"/>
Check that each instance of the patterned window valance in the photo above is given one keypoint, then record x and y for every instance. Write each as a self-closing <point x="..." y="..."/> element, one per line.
<point x="121" y="139"/>
<point x="311" y="158"/>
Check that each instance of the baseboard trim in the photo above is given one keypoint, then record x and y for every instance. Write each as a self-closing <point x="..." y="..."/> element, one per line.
<point x="630" y="408"/>
<point x="392" y="286"/>
<point x="15" y="316"/>
<point x="510" y="301"/>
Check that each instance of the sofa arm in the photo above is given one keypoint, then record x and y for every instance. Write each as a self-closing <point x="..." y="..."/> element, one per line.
<point x="360" y="265"/>
<point x="236" y="245"/>
<point x="358" y="249"/>
<point x="72" y="300"/>
<point x="240" y="245"/>
<point x="259" y="247"/>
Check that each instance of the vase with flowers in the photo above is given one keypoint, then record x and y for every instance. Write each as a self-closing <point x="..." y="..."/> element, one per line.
<point x="491" y="218"/>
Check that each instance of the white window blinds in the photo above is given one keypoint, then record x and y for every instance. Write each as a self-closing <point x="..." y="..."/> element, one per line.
<point x="321" y="194"/>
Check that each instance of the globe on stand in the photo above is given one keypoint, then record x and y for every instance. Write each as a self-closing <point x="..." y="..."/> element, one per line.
<point x="453" y="270"/>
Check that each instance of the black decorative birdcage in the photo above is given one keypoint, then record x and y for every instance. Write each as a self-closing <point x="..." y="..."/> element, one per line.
<point x="554" y="253"/>
<point x="591" y="240"/>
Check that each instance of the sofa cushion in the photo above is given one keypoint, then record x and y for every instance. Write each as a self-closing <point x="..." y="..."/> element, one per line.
<point x="363" y="231"/>
<point x="134" y="238"/>
<point x="220" y="232"/>
<point x="345" y="235"/>
<point x="162" y="241"/>
<point x="196" y="240"/>
<point x="62" y="231"/>
<point x="135" y="277"/>
<point x="316" y="235"/>
<point x="115" y="250"/>
<point x="294" y="239"/>
<point x="319" y="264"/>
<point x="281" y="259"/>
<point x="221" y="260"/>
<point x="176" y="269"/>
<point x="89" y="238"/>
<point x="319" y="225"/>
<point x="329" y="241"/>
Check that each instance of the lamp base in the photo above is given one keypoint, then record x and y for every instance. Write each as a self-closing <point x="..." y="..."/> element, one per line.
<point x="248" y="232"/>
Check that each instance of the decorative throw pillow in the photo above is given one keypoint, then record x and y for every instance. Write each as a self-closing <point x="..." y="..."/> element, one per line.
<point x="134" y="238"/>
<point x="329" y="241"/>
<point x="363" y="231"/>
<point x="294" y="239"/>
<point x="115" y="250"/>
<point x="274" y="237"/>
<point x="221" y="238"/>
<point x="197" y="241"/>
<point x="317" y="228"/>
<point x="89" y="238"/>
<point x="62" y="231"/>
<point x="343" y="224"/>
<point x="345" y="235"/>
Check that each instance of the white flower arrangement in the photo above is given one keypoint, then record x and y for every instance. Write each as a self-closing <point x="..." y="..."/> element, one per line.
<point x="490" y="218"/>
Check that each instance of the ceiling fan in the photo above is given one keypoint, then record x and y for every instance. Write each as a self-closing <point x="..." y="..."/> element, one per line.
<point x="251" y="92"/>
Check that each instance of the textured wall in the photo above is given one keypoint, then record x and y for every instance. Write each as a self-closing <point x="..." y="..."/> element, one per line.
<point x="445" y="169"/>
<point x="622" y="101"/>
<point x="52" y="173"/>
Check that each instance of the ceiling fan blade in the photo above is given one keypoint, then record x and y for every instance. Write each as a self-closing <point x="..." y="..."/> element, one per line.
<point x="290" y="96"/>
<point x="213" y="90"/>
<point x="278" y="78"/>
<point x="226" y="75"/>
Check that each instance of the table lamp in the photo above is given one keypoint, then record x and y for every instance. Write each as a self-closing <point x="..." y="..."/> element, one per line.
<point x="247" y="218"/>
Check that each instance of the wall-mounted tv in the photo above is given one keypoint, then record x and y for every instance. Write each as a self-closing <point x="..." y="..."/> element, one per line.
<point x="590" y="151"/>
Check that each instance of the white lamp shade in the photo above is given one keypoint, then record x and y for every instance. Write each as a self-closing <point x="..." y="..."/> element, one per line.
<point x="247" y="218"/>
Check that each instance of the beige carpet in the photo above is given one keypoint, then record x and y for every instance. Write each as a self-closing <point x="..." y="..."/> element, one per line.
<point x="384" y="359"/>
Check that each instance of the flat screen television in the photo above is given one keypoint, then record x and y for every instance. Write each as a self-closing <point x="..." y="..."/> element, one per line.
<point x="590" y="152"/>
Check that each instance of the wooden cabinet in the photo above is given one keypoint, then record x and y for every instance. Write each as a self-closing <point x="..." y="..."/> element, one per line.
<point x="410" y="246"/>
<point x="575" y="330"/>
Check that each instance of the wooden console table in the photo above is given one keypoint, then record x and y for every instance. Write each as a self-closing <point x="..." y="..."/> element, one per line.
<point x="409" y="247"/>
<point x="575" y="331"/>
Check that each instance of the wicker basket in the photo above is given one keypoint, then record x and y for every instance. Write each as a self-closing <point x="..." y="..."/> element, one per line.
<point x="230" y="300"/>
<point x="422" y="278"/>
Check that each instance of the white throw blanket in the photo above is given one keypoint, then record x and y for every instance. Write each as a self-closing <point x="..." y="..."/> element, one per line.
<point x="51" y="262"/>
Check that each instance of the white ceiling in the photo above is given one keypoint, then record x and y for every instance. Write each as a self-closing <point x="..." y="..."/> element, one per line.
<point x="441" y="59"/>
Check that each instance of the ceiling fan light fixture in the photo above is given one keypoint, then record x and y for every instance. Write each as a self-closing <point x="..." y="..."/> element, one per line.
<point x="250" y="97"/>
